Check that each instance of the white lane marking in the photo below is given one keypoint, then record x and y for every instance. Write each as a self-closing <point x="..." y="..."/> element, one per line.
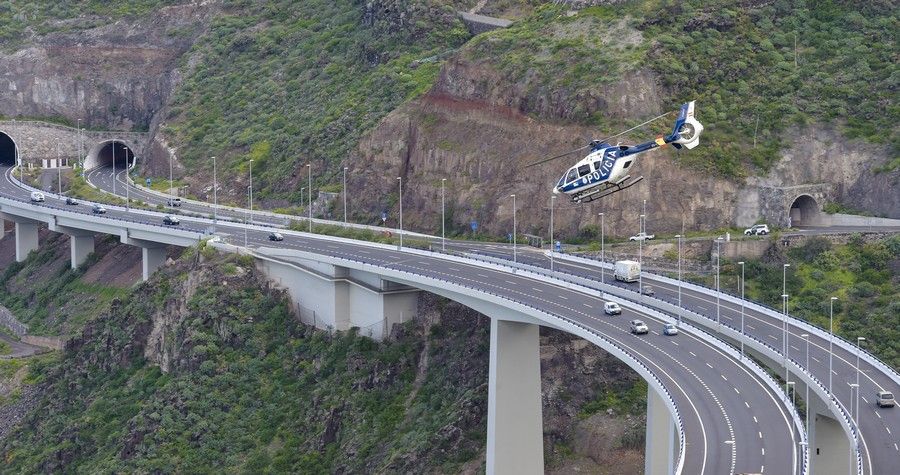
<point x="887" y="429"/>
<point x="693" y="354"/>
<point x="654" y="332"/>
<point x="817" y="359"/>
<point x="482" y="275"/>
<point x="710" y="366"/>
<point x="588" y="306"/>
<point x="563" y="297"/>
<point x="762" y="469"/>
<point x="773" y="337"/>
<point x="723" y="377"/>
<point x="760" y="435"/>
<point x="755" y="420"/>
<point x="877" y="414"/>
<point x="896" y="448"/>
<point x="537" y="289"/>
<point x="750" y="327"/>
<point x="763" y="450"/>
<point x="453" y="269"/>
<point x="747" y="404"/>
<point x="675" y="343"/>
<point x="865" y="400"/>
<point x="736" y="390"/>
<point x="794" y="347"/>
<point x="510" y="282"/>
<point x="701" y="308"/>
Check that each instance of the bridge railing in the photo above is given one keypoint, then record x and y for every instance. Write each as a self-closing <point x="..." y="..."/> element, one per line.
<point x="764" y="309"/>
<point x="610" y="344"/>
<point x="763" y="375"/>
<point x="849" y="426"/>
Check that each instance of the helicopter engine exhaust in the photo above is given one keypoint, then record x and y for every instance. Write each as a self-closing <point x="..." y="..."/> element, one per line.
<point x="687" y="127"/>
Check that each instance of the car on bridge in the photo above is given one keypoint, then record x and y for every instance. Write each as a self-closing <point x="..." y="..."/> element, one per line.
<point x="37" y="196"/>
<point x="170" y="220"/>
<point x="642" y="237"/>
<point x="276" y="237"/>
<point x="648" y="291"/>
<point x="612" y="308"/>
<point x="173" y="202"/>
<point x="638" y="327"/>
<point x="669" y="329"/>
<point x="757" y="230"/>
<point x="884" y="399"/>
<point x="97" y="209"/>
<point x="71" y="201"/>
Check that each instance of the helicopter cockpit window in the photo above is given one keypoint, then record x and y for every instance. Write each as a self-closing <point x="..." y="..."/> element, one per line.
<point x="572" y="175"/>
<point x="584" y="170"/>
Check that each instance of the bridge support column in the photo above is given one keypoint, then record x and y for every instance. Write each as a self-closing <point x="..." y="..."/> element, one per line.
<point x="80" y="247"/>
<point x="26" y="239"/>
<point x="515" y="442"/>
<point x="661" y="439"/>
<point x="830" y="451"/>
<point x="153" y="258"/>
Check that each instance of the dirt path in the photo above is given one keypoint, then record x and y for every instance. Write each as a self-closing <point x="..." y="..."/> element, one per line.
<point x="19" y="349"/>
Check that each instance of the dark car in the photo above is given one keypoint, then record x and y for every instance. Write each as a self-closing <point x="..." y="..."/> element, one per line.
<point x="171" y="221"/>
<point x="97" y="209"/>
<point x="71" y="201"/>
<point x="647" y="290"/>
<point x="173" y="202"/>
<point x="276" y="237"/>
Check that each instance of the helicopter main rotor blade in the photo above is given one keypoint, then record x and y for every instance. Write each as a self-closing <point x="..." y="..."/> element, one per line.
<point x="545" y="160"/>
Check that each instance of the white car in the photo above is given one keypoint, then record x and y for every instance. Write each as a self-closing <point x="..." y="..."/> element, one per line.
<point x="612" y="308"/>
<point x="757" y="230"/>
<point x="669" y="329"/>
<point x="37" y="196"/>
<point x="642" y="237"/>
<point x="638" y="327"/>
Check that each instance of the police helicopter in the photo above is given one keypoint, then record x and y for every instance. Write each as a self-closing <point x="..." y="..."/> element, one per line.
<point x="604" y="170"/>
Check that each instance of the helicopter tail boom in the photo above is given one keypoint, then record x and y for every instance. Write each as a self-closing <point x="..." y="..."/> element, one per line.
<point x="687" y="130"/>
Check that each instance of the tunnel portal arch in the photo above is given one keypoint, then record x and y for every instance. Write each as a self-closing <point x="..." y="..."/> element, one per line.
<point x="9" y="151"/>
<point x="103" y="153"/>
<point x="805" y="211"/>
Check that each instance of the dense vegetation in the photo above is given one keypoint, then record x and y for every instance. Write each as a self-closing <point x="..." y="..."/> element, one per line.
<point x="755" y="68"/>
<point x="46" y="294"/>
<point x="285" y="83"/>
<point x="42" y="17"/>
<point x="862" y="275"/>
<point x="248" y="390"/>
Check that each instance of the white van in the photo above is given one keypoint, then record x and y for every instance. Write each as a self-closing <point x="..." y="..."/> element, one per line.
<point x="37" y="196"/>
<point x="627" y="271"/>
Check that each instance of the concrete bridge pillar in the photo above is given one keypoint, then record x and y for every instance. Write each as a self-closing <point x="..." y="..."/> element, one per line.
<point x="153" y="258"/>
<point x="81" y="243"/>
<point x="26" y="238"/>
<point x="662" y="438"/>
<point x="830" y="450"/>
<point x="515" y="442"/>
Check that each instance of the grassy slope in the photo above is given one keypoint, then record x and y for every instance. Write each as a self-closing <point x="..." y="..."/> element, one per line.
<point x="859" y="274"/>
<point x="287" y="82"/>
<point x="46" y="294"/>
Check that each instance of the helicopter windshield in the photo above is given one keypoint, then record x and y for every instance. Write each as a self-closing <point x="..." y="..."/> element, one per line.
<point x="571" y="176"/>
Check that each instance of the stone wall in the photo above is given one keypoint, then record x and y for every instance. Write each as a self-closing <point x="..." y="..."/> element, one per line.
<point x="9" y="321"/>
<point x="37" y="141"/>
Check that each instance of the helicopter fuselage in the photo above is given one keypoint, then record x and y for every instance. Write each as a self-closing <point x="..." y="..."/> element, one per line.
<point x="605" y="164"/>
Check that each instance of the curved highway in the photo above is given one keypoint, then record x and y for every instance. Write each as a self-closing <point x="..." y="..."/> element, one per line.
<point x="733" y="421"/>
<point x="879" y="427"/>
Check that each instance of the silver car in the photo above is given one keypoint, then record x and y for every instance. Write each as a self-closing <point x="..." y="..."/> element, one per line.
<point x="638" y="327"/>
<point x="669" y="329"/>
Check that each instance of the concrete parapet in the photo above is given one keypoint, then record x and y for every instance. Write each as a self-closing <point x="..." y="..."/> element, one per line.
<point x="662" y="439"/>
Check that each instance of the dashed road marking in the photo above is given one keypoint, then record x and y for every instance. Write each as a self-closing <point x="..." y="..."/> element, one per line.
<point x="693" y="354"/>
<point x="760" y="435"/>
<point x="537" y="289"/>
<point x="877" y="414"/>
<point x="675" y="343"/>
<point x="751" y="327"/>
<point x="755" y="420"/>
<point x="563" y="297"/>
<point x="710" y="366"/>
<point x="747" y="404"/>
<point x="588" y="306"/>
<point x="723" y="377"/>
<point x="817" y="359"/>
<point x="773" y="337"/>
<point x="736" y="390"/>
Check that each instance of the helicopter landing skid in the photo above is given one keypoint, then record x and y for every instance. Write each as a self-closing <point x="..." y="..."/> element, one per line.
<point x="605" y="191"/>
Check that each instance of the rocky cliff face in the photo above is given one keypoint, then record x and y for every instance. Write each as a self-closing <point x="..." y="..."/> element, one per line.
<point x="116" y="75"/>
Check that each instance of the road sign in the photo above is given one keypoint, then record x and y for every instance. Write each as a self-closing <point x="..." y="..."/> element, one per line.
<point x="147" y="181"/>
<point x="474" y="225"/>
<point x="558" y="246"/>
<point x="383" y="217"/>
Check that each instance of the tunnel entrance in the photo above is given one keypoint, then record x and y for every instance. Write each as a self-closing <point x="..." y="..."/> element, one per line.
<point x="122" y="154"/>
<point x="8" y="154"/>
<point x="804" y="211"/>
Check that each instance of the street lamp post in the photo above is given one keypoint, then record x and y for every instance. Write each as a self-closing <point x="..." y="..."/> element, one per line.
<point x="680" y="310"/>
<point x="854" y="387"/>
<point x="114" y="166"/>
<point x="127" y="188"/>
<point x="859" y="340"/>
<point x="785" y="336"/>
<point x="171" y="185"/>
<point x="784" y="306"/>
<point x="830" y="341"/>
<point x="806" y="398"/>
<point x="602" y="248"/>
<point x="742" y="308"/>
<point x="552" y="242"/>
<point x="400" y="181"/>
<point x="718" y="298"/>
<point x="345" y="195"/>
<point x="443" y="216"/>
<point x="215" y="195"/>
<point x="246" y="218"/>
<point x="251" y="191"/>
<point x="790" y="388"/>
<point x="641" y="254"/>
<point x="515" y="253"/>
<point x="59" y="171"/>
<point x="309" y="194"/>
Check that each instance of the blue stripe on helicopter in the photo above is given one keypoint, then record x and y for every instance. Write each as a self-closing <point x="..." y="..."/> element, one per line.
<point x="606" y="167"/>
